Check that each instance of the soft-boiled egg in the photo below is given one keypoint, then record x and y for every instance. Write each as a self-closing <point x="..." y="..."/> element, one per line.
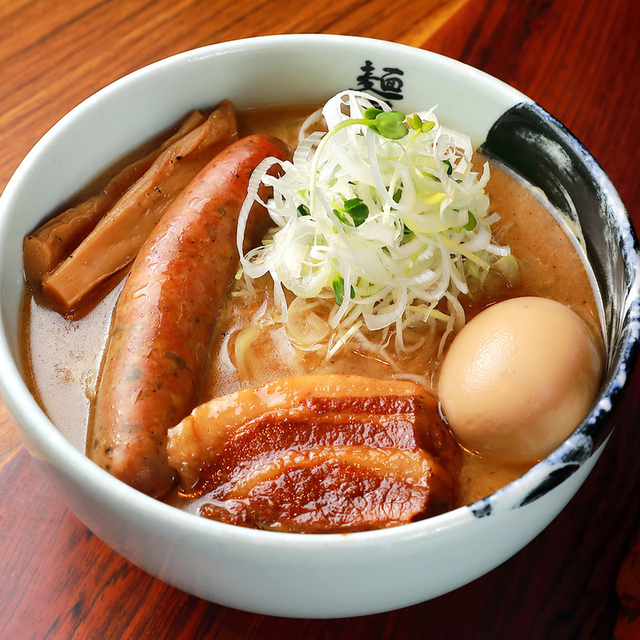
<point x="519" y="377"/>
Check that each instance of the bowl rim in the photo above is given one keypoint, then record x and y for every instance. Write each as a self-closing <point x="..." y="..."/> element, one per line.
<point x="52" y="448"/>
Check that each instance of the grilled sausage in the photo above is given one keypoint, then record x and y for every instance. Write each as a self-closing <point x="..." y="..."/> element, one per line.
<point x="165" y="314"/>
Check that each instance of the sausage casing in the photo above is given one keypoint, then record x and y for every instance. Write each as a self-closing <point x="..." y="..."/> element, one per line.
<point x="165" y="314"/>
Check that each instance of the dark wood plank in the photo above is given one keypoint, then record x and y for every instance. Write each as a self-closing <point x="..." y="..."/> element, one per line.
<point x="55" y="54"/>
<point x="579" y="60"/>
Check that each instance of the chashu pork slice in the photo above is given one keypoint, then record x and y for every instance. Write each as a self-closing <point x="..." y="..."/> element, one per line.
<point x="318" y="453"/>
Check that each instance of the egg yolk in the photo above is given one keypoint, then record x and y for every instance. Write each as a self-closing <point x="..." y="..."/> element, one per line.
<point x="519" y="378"/>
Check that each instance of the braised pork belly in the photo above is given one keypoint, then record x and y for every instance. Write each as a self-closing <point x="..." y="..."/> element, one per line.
<point x="321" y="453"/>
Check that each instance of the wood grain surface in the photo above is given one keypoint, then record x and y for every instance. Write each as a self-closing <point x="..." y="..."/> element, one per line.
<point x="580" y="60"/>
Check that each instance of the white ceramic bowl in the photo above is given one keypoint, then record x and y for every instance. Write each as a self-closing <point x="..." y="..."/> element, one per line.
<point x="319" y="575"/>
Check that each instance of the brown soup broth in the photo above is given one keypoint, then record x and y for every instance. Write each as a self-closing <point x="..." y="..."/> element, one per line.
<point x="62" y="355"/>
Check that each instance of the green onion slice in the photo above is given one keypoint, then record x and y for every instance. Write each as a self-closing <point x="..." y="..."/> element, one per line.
<point x="383" y="212"/>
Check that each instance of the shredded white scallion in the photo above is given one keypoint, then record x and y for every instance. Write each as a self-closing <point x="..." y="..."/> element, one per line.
<point x="383" y="210"/>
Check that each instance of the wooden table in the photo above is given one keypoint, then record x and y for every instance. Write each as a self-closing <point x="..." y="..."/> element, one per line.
<point x="580" y="60"/>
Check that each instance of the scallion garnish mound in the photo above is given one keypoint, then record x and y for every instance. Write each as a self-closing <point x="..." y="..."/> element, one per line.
<point x="383" y="212"/>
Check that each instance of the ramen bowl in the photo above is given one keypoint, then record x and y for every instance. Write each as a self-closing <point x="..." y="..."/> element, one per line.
<point x="331" y="575"/>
